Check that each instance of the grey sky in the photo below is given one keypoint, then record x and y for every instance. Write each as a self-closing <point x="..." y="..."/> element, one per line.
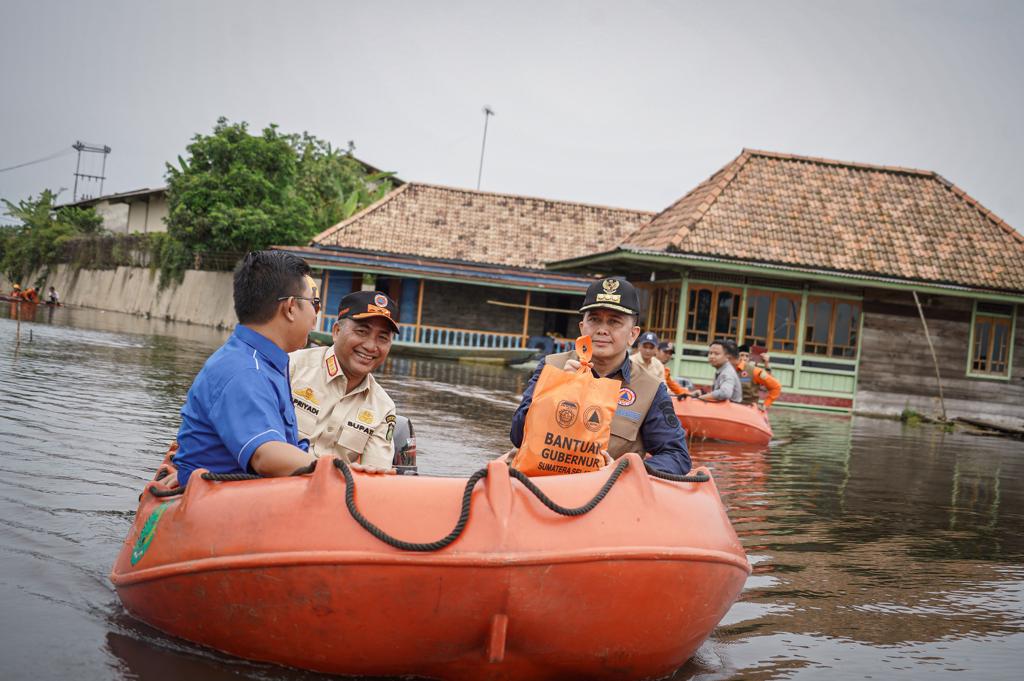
<point x="626" y="104"/>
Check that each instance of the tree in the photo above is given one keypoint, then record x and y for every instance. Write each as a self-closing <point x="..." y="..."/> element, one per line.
<point x="237" y="192"/>
<point x="43" y="231"/>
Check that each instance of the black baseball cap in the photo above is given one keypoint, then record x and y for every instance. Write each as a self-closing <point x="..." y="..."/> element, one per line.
<point x="614" y="293"/>
<point x="647" y="337"/>
<point x="667" y="347"/>
<point x="364" y="304"/>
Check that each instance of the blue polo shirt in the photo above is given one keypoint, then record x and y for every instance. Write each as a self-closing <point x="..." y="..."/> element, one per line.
<point x="240" y="400"/>
<point x="663" y="437"/>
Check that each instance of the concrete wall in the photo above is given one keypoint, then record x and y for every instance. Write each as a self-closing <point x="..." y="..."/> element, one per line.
<point x="202" y="297"/>
<point x="896" y="369"/>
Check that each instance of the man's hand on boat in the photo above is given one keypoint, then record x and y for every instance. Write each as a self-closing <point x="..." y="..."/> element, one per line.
<point x="373" y="470"/>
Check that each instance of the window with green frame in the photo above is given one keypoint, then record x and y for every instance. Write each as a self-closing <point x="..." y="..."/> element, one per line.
<point x="832" y="327"/>
<point x="771" y="320"/>
<point x="992" y="340"/>
<point x="713" y="313"/>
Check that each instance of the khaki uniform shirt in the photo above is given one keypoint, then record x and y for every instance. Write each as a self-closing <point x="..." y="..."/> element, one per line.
<point x="358" y="424"/>
<point x="656" y="369"/>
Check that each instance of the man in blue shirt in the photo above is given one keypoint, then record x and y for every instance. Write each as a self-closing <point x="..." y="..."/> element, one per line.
<point x="238" y="416"/>
<point x="645" y="421"/>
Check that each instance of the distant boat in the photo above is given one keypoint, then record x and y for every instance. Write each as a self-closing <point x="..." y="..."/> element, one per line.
<point x="725" y="421"/>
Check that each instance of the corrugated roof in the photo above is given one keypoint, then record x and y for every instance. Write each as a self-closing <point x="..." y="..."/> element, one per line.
<point x="849" y="217"/>
<point x="472" y="226"/>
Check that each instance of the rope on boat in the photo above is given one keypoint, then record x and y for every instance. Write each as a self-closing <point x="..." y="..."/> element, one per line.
<point x="467" y="494"/>
<point x="460" y="525"/>
<point x="215" y="477"/>
<point x="696" y="477"/>
<point x="579" y="510"/>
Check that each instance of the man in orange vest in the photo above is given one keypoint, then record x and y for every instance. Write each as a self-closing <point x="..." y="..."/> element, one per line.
<point x="665" y="353"/>
<point x="753" y="377"/>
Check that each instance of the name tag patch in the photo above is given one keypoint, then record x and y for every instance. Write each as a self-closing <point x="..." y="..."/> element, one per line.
<point x="628" y="413"/>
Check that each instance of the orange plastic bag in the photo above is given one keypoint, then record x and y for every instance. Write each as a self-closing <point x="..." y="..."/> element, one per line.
<point x="569" y="420"/>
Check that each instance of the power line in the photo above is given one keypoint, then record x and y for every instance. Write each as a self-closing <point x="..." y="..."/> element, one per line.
<point x="52" y="156"/>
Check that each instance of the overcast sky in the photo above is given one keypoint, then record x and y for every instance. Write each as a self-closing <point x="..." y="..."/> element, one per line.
<point x="626" y="104"/>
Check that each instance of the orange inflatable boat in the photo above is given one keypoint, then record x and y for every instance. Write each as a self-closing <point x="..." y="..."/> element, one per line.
<point x="726" y="421"/>
<point x="608" y="575"/>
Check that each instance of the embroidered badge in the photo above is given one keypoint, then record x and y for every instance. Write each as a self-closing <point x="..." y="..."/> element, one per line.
<point x="671" y="420"/>
<point x="626" y="397"/>
<point x="592" y="419"/>
<point x="147" y="534"/>
<point x="379" y="299"/>
<point x="306" y="394"/>
<point x="628" y="413"/>
<point x="332" y="365"/>
<point x="365" y="416"/>
<point x="610" y="285"/>
<point x="566" y="413"/>
<point x="390" y="435"/>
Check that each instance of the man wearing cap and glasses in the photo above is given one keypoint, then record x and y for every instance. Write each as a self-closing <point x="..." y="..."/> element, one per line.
<point x="238" y="416"/>
<point x="341" y="408"/>
<point x="644" y="421"/>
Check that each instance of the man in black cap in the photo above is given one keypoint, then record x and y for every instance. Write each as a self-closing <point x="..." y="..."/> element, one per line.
<point x="644" y="421"/>
<point x="644" y="358"/>
<point x="340" y="407"/>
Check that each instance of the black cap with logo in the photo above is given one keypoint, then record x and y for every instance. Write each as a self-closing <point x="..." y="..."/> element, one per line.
<point x="365" y="304"/>
<point x="647" y="337"/>
<point x="614" y="293"/>
<point x="665" y="346"/>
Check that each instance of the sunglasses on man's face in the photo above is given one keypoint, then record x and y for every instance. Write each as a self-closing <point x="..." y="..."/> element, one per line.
<point x="315" y="300"/>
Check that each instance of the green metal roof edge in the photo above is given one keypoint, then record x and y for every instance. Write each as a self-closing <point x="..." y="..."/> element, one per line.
<point x="637" y="255"/>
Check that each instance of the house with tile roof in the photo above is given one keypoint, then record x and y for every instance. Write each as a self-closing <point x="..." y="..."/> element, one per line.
<point x="468" y="267"/>
<point x="837" y="269"/>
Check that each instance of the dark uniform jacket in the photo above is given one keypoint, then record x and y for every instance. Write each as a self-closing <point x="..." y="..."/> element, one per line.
<point x="643" y="422"/>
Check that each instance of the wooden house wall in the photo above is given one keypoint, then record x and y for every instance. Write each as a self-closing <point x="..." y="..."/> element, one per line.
<point x="896" y="369"/>
<point x="465" y="306"/>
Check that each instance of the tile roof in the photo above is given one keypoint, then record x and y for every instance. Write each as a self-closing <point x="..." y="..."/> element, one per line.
<point x="847" y="217"/>
<point x="431" y="221"/>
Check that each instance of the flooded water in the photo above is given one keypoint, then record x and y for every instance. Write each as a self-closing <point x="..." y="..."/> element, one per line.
<point x="880" y="551"/>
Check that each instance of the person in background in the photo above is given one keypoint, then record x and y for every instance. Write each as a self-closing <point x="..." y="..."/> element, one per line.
<point x="31" y="295"/>
<point x="665" y="353"/>
<point x="52" y="297"/>
<point x="341" y="408"/>
<point x="645" y="356"/>
<point x="755" y="354"/>
<point x="238" y="416"/>
<point x="727" y="383"/>
<point x="16" y="291"/>
<point x="752" y="378"/>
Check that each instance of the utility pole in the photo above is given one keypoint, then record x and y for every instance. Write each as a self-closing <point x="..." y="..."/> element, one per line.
<point x="488" y="112"/>
<point x="80" y="147"/>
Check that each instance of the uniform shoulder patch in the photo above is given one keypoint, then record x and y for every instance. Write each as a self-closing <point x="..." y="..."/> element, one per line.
<point x="671" y="420"/>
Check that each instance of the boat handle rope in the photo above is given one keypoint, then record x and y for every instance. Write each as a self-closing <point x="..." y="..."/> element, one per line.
<point x="467" y="493"/>
<point x="215" y="477"/>
<point x="460" y="525"/>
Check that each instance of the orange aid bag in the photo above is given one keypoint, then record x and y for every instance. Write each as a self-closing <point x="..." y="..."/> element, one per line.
<point x="569" y="421"/>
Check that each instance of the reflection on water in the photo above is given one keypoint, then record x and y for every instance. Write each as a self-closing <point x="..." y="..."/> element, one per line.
<point x="879" y="550"/>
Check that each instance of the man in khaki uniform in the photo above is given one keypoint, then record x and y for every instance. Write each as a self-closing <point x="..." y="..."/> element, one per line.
<point x="340" y="407"/>
<point x="645" y="356"/>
